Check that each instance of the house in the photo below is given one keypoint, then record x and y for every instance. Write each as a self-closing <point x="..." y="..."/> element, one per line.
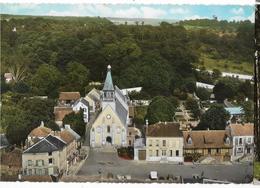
<point x="208" y="143"/>
<point x="133" y="134"/>
<point x="110" y="126"/>
<point x="8" y="77"/>
<point x="236" y="114"/>
<point x="164" y="142"/>
<point x="84" y="105"/>
<point x="37" y="134"/>
<point x="139" y="149"/>
<point x="10" y="164"/>
<point x="60" y="112"/>
<point x="46" y="157"/>
<point x="93" y="98"/>
<point x="242" y="140"/>
<point x="204" y="85"/>
<point x="130" y="90"/>
<point x="68" y="98"/>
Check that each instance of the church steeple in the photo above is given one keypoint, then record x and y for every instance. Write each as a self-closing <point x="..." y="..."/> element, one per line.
<point x="108" y="85"/>
<point x="108" y="92"/>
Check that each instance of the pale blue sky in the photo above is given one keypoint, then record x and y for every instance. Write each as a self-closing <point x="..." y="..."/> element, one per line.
<point x="176" y="12"/>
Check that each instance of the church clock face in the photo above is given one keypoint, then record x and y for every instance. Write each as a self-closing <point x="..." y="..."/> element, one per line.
<point x="108" y="116"/>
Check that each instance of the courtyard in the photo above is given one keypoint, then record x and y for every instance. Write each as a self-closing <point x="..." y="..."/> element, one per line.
<point x="100" y="162"/>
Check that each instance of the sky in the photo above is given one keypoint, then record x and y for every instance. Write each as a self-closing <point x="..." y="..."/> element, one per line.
<point x="161" y="11"/>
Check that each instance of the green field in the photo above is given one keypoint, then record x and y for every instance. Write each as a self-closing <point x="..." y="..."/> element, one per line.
<point x="226" y="65"/>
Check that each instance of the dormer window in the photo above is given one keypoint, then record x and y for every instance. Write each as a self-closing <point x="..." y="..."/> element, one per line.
<point x="189" y="140"/>
<point x="227" y="140"/>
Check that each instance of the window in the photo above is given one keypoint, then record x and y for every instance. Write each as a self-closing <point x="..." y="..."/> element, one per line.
<point x="240" y="140"/>
<point x="249" y="140"/>
<point x="189" y="140"/>
<point x="29" y="162"/>
<point x="177" y="153"/>
<point x="164" y="142"/>
<point x="30" y="172"/>
<point x="227" y="141"/>
<point x="99" y="130"/>
<point x="108" y="129"/>
<point x="236" y="141"/>
<point x="130" y="142"/>
<point x="150" y="152"/>
<point x="209" y="151"/>
<point x="171" y="153"/>
<point x="39" y="163"/>
<point x="248" y="150"/>
<point x="157" y="142"/>
<point x="50" y="153"/>
<point x="218" y="150"/>
<point x="40" y="171"/>
<point x="157" y="153"/>
<point x="50" y="160"/>
<point x="93" y="129"/>
<point x="150" y="143"/>
<point x="163" y="152"/>
<point x="130" y="133"/>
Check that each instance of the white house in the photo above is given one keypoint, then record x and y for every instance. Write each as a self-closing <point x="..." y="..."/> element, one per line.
<point x="204" y="85"/>
<point x="84" y="105"/>
<point x="242" y="139"/>
<point x="93" y="98"/>
<point x="129" y="90"/>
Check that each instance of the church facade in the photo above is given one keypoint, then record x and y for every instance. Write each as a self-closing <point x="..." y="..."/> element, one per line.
<point x="110" y="127"/>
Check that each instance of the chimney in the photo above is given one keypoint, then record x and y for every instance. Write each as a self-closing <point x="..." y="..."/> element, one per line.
<point x="42" y="124"/>
<point x="165" y="123"/>
<point x="208" y="129"/>
<point x="67" y="126"/>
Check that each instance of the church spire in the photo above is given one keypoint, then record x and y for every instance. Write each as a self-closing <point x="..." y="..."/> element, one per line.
<point x="108" y="85"/>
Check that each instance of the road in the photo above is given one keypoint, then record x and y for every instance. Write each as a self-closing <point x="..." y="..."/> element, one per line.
<point x="109" y="162"/>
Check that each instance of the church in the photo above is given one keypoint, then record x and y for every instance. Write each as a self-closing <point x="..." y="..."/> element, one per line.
<point x="110" y="126"/>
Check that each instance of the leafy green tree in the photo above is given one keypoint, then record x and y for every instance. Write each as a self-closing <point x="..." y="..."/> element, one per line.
<point x="46" y="80"/>
<point x="77" y="76"/>
<point x="203" y="93"/>
<point x="222" y="91"/>
<point x="160" y="109"/>
<point x="21" y="87"/>
<point x="215" y="118"/>
<point x="53" y="126"/>
<point x="248" y="107"/>
<point x="76" y="121"/>
<point x="192" y="105"/>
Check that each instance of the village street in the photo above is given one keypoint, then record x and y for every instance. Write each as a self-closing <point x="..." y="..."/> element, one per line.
<point x="109" y="162"/>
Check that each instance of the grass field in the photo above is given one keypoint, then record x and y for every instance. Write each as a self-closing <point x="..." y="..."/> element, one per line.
<point x="226" y="65"/>
<point x="257" y="170"/>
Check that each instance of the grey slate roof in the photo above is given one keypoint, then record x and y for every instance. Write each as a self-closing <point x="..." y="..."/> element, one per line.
<point x="121" y="111"/>
<point x="82" y="100"/>
<point x="47" y="144"/>
<point x="108" y="85"/>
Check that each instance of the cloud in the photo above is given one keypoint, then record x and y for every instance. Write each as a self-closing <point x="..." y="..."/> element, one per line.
<point x="237" y="11"/>
<point x="241" y="18"/>
<point x="149" y="12"/>
<point x="129" y="13"/>
<point x="179" y="10"/>
<point x="252" y="17"/>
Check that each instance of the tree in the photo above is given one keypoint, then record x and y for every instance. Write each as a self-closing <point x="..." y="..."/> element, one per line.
<point x="21" y="87"/>
<point x="15" y="122"/>
<point x="193" y="106"/>
<point x="216" y="74"/>
<point x="248" y="107"/>
<point x="77" y="76"/>
<point x="222" y="91"/>
<point x="76" y="121"/>
<point x="203" y="93"/>
<point x="160" y="109"/>
<point x="46" y="80"/>
<point x="53" y="126"/>
<point x="215" y="118"/>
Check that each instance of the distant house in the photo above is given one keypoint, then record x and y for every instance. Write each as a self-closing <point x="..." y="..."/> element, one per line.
<point x="11" y="164"/>
<point x="164" y="142"/>
<point x="68" y="98"/>
<point x="133" y="134"/>
<point x="46" y="157"/>
<point x="204" y="85"/>
<point x="93" y="98"/>
<point x="242" y="139"/>
<point x="8" y="77"/>
<point x="208" y="143"/>
<point x="236" y="114"/>
<point x="60" y="112"/>
<point x="130" y="90"/>
<point x="37" y="134"/>
<point x="139" y="149"/>
<point x="84" y="105"/>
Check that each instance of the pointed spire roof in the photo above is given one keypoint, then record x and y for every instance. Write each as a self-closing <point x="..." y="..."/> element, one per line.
<point x="108" y="85"/>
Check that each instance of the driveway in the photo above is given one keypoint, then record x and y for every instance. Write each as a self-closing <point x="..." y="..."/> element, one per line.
<point x="105" y="162"/>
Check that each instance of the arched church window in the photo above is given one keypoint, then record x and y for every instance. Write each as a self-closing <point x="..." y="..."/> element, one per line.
<point x="108" y="129"/>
